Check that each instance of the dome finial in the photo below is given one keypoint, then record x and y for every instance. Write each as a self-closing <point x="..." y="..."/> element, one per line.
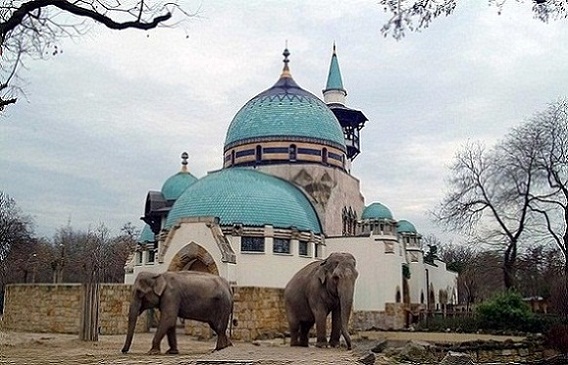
<point x="184" y="157"/>
<point x="333" y="47"/>
<point x="286" y="69"/>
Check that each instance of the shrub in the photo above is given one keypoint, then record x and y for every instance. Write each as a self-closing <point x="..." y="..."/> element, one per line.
<point x="505" y="311"/>
<point x="462" y="324"/>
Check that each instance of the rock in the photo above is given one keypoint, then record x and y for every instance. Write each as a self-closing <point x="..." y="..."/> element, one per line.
<point x="380" y="347"/>
<point x="367" y="360"/>
<point x="416" y="351"/>
<point x="457" y="358"/>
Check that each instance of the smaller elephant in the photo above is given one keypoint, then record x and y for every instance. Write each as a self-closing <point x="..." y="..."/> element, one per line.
<point x="193" y="295"/>
<point x="314" y="291"/>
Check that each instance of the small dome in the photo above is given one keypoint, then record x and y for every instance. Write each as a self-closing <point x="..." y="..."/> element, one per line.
<point x="376" y="211"/>
<point x="248" y="197"/>
<point x="404" y="226"/>
<point x="285" y="111"/>
<point x="146" y="235"/>
<point x="176" y="185"/>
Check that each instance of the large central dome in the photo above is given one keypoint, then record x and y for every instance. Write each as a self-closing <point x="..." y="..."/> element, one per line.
<point x="285" y="112"/>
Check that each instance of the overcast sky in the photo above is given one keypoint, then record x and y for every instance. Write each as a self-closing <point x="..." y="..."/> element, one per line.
<point x="107" y="120"/>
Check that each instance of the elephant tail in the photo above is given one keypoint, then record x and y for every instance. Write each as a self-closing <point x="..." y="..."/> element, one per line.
<point x="232" y="321"/>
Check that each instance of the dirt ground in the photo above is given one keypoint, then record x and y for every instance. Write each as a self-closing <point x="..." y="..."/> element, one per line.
<point x="48" y="348"/>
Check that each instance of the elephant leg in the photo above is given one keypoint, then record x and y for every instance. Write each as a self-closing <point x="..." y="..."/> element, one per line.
<point x="335" y="327"/>
<point x="221" y="330"/>
<point x="304" y="333"/>
<point x="172" y="342"/>
<point x="294" y="332"/>
<point x="164" y="326"/>
<point x="321" y="317"/>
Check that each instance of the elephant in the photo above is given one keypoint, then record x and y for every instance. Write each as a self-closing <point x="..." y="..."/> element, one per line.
<point x="187" y="294"/>
<point x="317" y="289"/>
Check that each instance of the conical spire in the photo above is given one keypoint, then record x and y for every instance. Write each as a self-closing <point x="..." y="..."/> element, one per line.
<point x="334" y="91"/>
<point x="334" y="80"/>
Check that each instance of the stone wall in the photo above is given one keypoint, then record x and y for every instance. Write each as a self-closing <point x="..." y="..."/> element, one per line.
<point x="258" y="313"/>
<point x="392" y="318"/>
<point x="42" y="308"/>
<point x="56" y="308"/>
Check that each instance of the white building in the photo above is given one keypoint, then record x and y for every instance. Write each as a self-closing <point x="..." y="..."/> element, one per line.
<point x="285" y="197"/>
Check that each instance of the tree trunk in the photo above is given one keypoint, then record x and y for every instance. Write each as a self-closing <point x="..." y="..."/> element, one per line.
<point x="509" y="266"/>
<point x="89" y="330"/>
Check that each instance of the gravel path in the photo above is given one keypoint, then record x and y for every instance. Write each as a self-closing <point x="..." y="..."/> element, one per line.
<point x="47" y="348"/>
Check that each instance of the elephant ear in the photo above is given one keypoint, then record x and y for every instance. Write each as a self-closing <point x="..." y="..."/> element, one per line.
<point x="321" y="272"/>
<point x="159" y="284"/>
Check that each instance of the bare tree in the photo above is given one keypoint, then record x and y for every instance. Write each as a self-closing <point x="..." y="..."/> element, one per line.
<point x="478" y="271"/>
<point x="32" y="29"/>
<point x="414" y="15"/>
<point x="489" y="196"/>
<point x="16" y="233"/>
<point x="550" y="200"/>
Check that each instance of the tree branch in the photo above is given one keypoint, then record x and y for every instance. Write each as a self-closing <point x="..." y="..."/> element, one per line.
<point x="30" y="6"/>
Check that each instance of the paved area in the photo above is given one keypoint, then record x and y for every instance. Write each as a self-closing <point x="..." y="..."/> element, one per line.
<point x="37" y="348"/>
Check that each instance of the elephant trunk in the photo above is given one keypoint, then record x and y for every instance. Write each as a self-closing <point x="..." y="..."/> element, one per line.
<point x="346" y="303"/>
<point x="133" y="313"/>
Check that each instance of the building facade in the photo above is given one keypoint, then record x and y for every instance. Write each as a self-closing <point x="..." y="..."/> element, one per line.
<point x="284" y="197"/>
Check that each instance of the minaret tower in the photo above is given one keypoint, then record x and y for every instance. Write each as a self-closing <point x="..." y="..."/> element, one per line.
<point x="351" y="120"/>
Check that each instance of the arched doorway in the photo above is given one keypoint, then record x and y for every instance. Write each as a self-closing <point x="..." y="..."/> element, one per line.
<point x="193" y="257"/>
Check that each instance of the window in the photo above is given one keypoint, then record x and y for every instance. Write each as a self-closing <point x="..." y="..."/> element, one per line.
<point x="151" y="256"/>
<point x="303" y="248"/>
<point x="318" y="251"/>
<point x="232" y="157"/>
<point x="139" y="258"/>
<point x="258" y="153"/>
<point x="324" y="155"/>
<point x="252" y="244"/>
<point x="281" y="245"/>
<point x="292" y="152"/>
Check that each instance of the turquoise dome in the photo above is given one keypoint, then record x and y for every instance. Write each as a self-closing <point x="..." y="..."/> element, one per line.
<point x="282" y="112"/>
<point x="376" y="211"/>
<point x="405" y="226"/>
<point x="176" y="185"/>
<point x="249" y="197"/>
<point x="146" y="235"/>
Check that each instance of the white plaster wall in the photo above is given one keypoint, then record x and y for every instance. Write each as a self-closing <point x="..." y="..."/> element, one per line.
<point x="441" y="278"/>
<point x="379" y="273"/>
<point x="417" y="282"/>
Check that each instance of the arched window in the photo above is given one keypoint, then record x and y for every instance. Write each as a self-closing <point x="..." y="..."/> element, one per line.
<point x="324" y="155"/>
<point x="258" y="153"/>
<point x="397" y="298"/>
<point x="232" y="157"/>
<point x="292" y="152"/>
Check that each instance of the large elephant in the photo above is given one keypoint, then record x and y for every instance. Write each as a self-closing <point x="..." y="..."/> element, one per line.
<point x="314" y="291"/>
<point x="187" y="294"/>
